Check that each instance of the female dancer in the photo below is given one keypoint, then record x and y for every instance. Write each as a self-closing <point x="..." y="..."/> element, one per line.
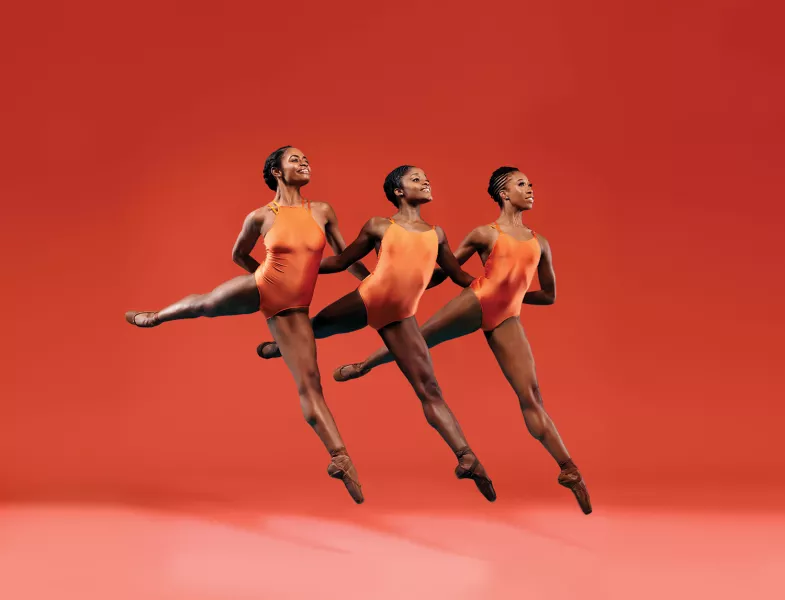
<point x="387" y="301"/>
<point x="511" y="252"/>
<point x="294" y="232"/>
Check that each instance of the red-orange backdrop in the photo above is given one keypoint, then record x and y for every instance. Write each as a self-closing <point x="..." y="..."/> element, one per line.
<point x="133" y="141"/>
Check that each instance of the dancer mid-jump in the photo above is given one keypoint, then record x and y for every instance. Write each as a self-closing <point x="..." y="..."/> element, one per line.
<point x="511" y="253"/>
<point x="294" y="232"/>
<point x="408" y="249"/>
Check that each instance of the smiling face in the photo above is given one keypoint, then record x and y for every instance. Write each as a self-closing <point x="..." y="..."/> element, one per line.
<point x="415" y="187"/>
<point x="295" y="168"/>
<point x="518" y="191"/>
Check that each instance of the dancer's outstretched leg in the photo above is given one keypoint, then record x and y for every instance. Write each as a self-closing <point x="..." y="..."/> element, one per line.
<point x="345" y="315"/>
<point x="294" y="336"/>
<point x="238" y="296"/>
<point x="514" y="355"/>
<point x="460" y="316"/>
<point x="410" y="352"/>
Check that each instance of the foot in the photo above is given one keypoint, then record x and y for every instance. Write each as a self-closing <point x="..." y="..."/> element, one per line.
<point x="571" y="479"/>
<point x="341" y="467"/>
<point x="469" y="467"/>
<point x="268" y="350"/>
<point x="142" y="319"/>
<point x="347" y="372"/>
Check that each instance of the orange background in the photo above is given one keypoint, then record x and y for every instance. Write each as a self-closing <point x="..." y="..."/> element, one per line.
<point x="133" y="143"/>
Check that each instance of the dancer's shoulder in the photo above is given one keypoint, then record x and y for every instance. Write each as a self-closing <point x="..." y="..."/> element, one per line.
<point x="482" y="236"/>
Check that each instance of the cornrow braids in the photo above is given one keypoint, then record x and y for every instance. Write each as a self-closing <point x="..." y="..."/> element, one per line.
<point x="393" y="182"/>
<point x="273" y="162"/>
<point x="498" y="180"/>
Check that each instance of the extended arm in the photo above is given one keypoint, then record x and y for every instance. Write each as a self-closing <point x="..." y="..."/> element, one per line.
<point x="462" y="254"/>
<point x="449" y="263"/>
<point x="353" y="252"/>
<point x="249" y="235"/>
<point x="547" y="292"/>
<point x="337" y="243"/>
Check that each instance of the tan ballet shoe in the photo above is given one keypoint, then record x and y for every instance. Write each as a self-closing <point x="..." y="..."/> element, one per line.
<point x="344" y="373"/>
<point x="145" y="321"/>
<point x="341" y="467"/>
<point x="571" y="479"/>
<point x="483" y="482"/>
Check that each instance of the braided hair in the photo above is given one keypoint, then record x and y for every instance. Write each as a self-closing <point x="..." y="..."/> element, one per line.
<point x="498" y="181"/>
<point x="273" y="162"/>
<point x="393" y="182"/>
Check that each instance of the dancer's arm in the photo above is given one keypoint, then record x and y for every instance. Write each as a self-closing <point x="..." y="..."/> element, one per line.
<point x="547" y="292"/>
<point x="249" y="235"/>
<point x="449" y="262"/>
<point x="355" y="251"/>
<point x="462" y="254"/>
<point x="337" y="243"/>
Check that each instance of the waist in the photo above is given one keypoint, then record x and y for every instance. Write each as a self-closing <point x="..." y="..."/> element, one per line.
<point x="506" y="283"/>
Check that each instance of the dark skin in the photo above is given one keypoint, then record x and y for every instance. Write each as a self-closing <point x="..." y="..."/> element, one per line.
<point x="292" y="328"/>
<point x="463" y="315"/>
<point x="403" y="338"/>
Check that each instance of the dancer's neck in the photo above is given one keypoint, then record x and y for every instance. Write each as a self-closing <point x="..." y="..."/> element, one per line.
<point x="408" y="213"/>
<point x="287" y="195"/>
<point x="510" y="215"/>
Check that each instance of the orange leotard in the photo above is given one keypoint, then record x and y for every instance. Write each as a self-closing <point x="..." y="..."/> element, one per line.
<point x="406" y="262"/>
<point x="509" y="271"/>
<point x="294" y="244"/>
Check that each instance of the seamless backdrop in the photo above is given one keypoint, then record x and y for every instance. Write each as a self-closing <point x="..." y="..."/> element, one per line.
<point x="133" y="141"/>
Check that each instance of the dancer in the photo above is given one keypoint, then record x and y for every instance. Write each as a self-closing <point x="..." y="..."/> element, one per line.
<point x="294" y="232"/>
<point x="387" y="300"/>
<point x="511" y="253"/>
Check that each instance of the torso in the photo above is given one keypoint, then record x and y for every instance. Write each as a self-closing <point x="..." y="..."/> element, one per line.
<point x="407" y="258"/>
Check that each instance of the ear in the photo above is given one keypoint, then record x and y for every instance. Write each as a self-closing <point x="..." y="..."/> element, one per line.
<point x="398" y="192"/>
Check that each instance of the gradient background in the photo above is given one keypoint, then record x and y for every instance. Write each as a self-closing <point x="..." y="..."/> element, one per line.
<point x="172" y="463"/>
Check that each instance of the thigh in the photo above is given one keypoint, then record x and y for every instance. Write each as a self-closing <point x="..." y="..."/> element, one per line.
<point x="345" y="315"/>
<point x="407" y="345"/>
<point x="460" y="316"/>
<point x="294" y="336"/>
<point x="238" y="296"/>
<point x="514" y="354"/>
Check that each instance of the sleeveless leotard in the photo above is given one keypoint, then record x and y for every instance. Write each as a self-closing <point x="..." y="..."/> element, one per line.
<point x="406" y="262"/>
<point x="509" y="271"/>
<point x="294" y="244"/>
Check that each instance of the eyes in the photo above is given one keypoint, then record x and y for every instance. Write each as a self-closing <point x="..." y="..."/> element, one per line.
<point x="524" y="184"/>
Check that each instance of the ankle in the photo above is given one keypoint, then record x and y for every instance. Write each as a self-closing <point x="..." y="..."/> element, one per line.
<point x="465" y="451"/>
<point x="567" y="464"/>
<point x="338" y="452"/>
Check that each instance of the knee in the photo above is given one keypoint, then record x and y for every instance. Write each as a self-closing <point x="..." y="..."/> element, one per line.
<point x="202" y="306"/>
<point x="530" y="397"/>
<point x="310" y="383"/>
<point x="428" y="390"/>
<point x="311" y="399"/>
<point x="209" y="309"/>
